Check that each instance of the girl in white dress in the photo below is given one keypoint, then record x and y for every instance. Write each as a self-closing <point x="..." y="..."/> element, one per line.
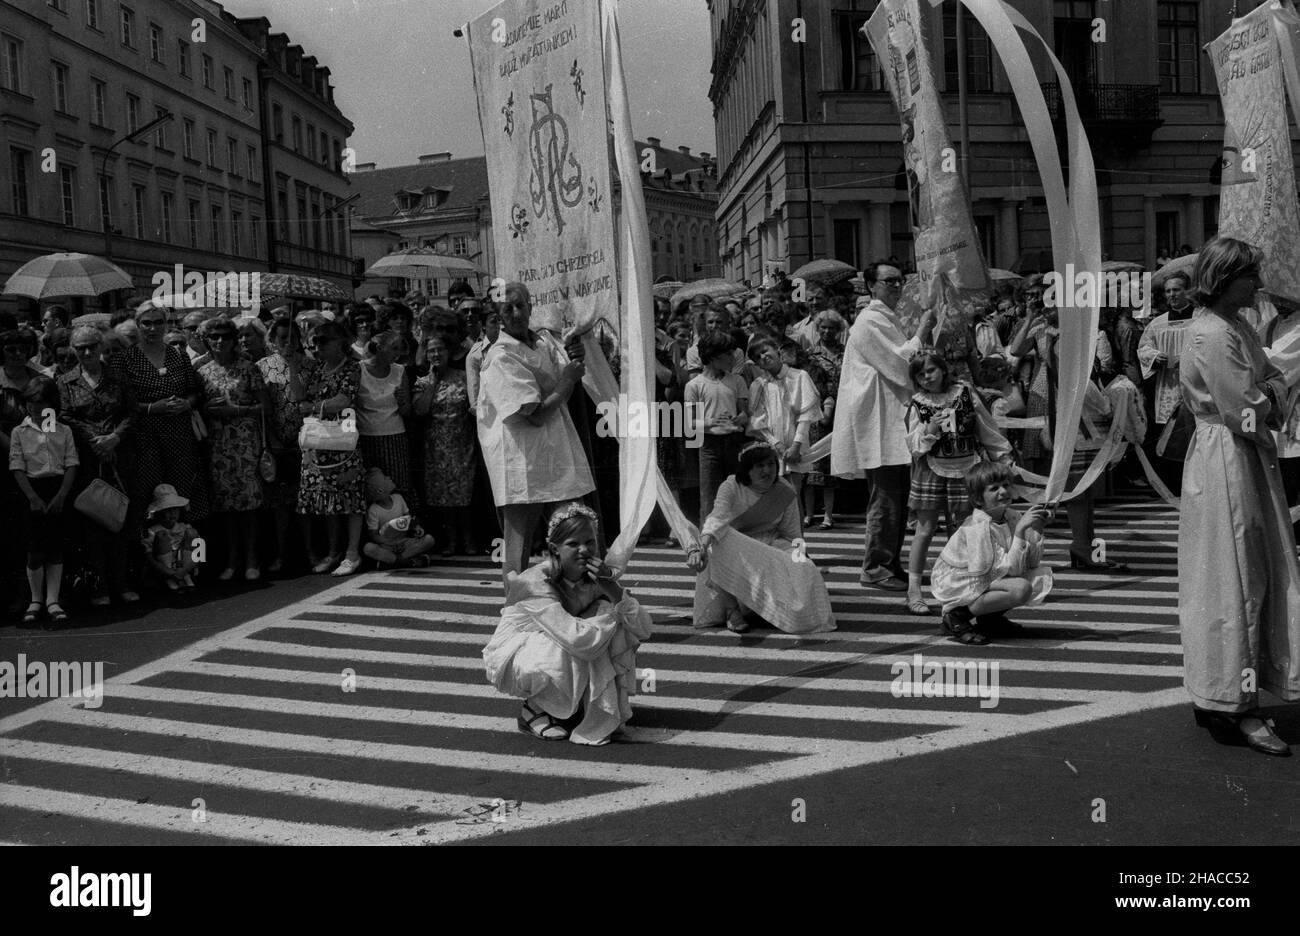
<point x="993" y="562"/>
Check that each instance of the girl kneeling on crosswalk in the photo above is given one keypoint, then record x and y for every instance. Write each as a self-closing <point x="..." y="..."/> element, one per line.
<point x="993" y="563"/>
<point x="567" y="640"/>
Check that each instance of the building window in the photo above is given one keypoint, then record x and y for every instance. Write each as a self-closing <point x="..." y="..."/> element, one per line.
<point x="132" y="113"/>
<point x="98" y="95"/>
<point x="137" y="204"/>
<point x="302" y="221"/>
<point x="232" y="156"/>
<point x="255" y="236"/>
<point x="311" y="142"/>
<point x="156" y="43"/>
<point x="105" y="203"/>
<point x="168" y="206"/>
<point x="236" y="219"/>
<point x="1177" y="29"/>
<point x="979" y="57"/>
<point x="183" y="56"/>
<point x="1167" y="236"/>
<point x="92" y="14"/>
<point x="68" y="194"/>
<point x="228" y="83"/>
<point x="277" y="122"/>
<point x="212" y="148"/>
<point x="194" y="222"/>
<point x="324" y="148"/>
<point x="859" y="67"/>
<point x="252" y="164"/>
<point x="338" y="157"/>
<point x="216" y="227"/>
<point x="282" y="214"/>
<point x="20" y="170"/>
<point x="128" y="27"/>
<point x="1072" y="40"/>
<point x="60" y="5"/>
<point x="160" y="135"/>
<point x="207" y="70"/>
<point x="460" y="246"/>
<point x="187" y="138"/>
<point x="11" y="63"/>
<point x="248" y="93"/>
<point x="297" y="134"/>
<point x="60" y="87"/>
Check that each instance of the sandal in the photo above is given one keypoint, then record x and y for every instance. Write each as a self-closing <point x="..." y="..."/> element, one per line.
<point x="56" y="612"/>
<point x="917" y="605"/>
<point x="541" y="725"/>
<point x="33" y="612"/>
<point x="958" y="625"/>
<point x="736" y="622"/>
<point x="827" y="525"/>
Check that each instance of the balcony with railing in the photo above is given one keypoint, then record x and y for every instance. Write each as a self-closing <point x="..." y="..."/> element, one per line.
<point x="310" y="260"/>
<point x="1123" y="116"/>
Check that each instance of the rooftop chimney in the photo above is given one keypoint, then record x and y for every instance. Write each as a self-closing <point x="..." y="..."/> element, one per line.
<point x="432" y="158"/>
<point x="653" y="141"/>
<point x="364" y="167"/>
<point x="684" y="150"/>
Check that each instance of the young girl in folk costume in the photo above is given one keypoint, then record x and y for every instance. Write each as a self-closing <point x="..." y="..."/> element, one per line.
<point x="783" y="402"/>
<point x="567" y="640"/>
<point x="993" y="562"/>
<point x="949" y="431"/>
<point x="746" y="558"/>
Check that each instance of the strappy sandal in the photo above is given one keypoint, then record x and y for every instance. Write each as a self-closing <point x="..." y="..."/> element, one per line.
<point x="827" y="525"/>
<point x="958" y="625"/>
<point x="56" y="613"/>
<point x="541" y="725"/>
<point x="33" y="612"/>
<point x="917" y="606"/>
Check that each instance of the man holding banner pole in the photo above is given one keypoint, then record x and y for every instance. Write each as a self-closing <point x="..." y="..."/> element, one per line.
<point x="870" y="438"/>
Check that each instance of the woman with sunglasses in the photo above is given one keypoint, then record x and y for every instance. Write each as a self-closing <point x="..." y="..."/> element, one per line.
<point x="235" y="402"/>
<point x="1238" y="579"/>
<point x="165" y="391"/>
<point x="94" y="404"/>
<point x="332" y="484"/>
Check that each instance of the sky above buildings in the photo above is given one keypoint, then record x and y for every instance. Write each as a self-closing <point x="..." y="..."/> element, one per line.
<point x="404" y="80"/>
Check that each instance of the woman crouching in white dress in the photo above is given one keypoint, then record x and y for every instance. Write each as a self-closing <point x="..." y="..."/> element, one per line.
<point x="567" y="640"/>
<point x="747" y="559"/>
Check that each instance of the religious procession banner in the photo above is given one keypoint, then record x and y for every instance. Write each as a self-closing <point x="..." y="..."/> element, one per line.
<point x="540" y="83"/>
<point x="948" y="259"/>
<point x="1257" y="200"/>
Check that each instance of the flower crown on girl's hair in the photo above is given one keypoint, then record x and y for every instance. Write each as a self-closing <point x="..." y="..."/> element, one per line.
<point x="567" y="512"/>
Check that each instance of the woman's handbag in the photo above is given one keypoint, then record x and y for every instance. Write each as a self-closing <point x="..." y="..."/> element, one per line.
<point x="328" y="435"/>
<point x="266" y="460"/>
<point x="103" y="503"/>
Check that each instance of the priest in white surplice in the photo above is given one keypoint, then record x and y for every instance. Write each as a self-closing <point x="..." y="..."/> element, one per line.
<point x="869" y="436"/>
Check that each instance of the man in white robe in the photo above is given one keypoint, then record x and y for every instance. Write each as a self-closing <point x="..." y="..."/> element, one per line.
<point x="532" y="450"/>
<point x="1158" y="352"/>
<point x="870" y="438"/>
<point x="1280" y="336"/>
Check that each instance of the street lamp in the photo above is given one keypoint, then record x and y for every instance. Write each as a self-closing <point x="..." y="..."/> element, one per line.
<point x="103" y="165"/>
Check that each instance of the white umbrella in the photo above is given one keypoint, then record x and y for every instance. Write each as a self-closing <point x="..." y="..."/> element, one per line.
<point x="66" y="274"/>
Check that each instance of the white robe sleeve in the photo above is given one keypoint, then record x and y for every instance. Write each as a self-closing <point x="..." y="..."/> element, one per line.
<point x="809" y="408"/>
<point x="508" y="385"/>
<point x="1147" y="351"/>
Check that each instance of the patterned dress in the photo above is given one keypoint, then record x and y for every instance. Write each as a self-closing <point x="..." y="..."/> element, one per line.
<point x="1039" y="402"/>
<point x="236" y="441"/>
<point x="168" y="452"/>
<point x="448" y="441"/>
<point x="824" y="363"/>
<point x="283" y="424"/>
<point x="331" y="482"/>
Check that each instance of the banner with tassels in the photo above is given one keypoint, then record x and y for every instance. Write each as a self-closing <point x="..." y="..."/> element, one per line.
<point x="1257" y="196"/>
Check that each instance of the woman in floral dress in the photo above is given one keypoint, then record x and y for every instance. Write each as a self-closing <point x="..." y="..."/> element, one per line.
<point x="284" y="344"/>
<point x="332" y="484"/>
<point x="448" y="441"/>
<point x="235" y="403"/>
